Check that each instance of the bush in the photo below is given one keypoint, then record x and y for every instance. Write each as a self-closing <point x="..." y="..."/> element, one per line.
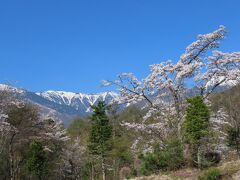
<point x="210" y="159"/>
<point x="213" y="158"/>
<point x="211" y="174"/>
<point x="168" y="158"/>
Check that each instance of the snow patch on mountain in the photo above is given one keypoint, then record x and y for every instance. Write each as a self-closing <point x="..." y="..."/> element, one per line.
<point x="8" y="88"/>
<point x="226" y="83"/>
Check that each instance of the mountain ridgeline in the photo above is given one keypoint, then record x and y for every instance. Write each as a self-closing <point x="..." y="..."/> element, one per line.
<point x="66" y="106"/>
<point x="62" y="105"/>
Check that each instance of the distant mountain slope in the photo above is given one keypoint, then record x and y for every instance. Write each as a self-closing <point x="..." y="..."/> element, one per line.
<point x="67" y="105"/>
<point x="60" y="104"/>
<point x="229" y="100"/>
<point x="79" y="101"/>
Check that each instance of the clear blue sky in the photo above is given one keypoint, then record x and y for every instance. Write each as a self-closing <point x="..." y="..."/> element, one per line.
<point x="72" y="45"/>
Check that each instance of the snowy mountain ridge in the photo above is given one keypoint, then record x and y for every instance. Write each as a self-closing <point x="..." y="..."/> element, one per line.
<point x="61" y="104"/>
<point x="78" y="100"/>
<point x="69" y="97"/>
<point x="67" y="105"/>
<point x="5" y="87"/>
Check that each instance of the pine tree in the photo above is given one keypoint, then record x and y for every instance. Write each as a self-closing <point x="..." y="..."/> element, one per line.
<point x="37" y="161"/>
<point x="100" y="134"/>
<point x="196" y="125"/>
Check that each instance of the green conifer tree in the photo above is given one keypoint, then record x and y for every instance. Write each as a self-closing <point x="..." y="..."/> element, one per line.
<point x="196" y="125"/>
<point x="100" y="134"/>
<point x="37" y="161"/>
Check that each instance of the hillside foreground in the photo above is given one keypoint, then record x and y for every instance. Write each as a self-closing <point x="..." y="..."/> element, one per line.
<point x="228" y="171"/>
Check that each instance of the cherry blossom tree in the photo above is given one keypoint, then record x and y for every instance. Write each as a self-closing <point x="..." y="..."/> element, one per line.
<point x="165" y="89"/>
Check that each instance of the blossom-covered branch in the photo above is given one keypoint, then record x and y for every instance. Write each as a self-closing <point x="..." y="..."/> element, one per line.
<point x="166" y="87"/>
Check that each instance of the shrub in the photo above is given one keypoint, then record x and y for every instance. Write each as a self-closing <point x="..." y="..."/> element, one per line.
<point x="210" y="159"/>
<point x="213" y="157"/>
<point x="211" y="174"/>
<point x="168" y="158"/>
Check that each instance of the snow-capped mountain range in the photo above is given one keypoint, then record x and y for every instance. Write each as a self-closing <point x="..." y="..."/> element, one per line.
<point x="67" y="105"/>
<point x="78" y="101"/>
<point x="60" y="104"/>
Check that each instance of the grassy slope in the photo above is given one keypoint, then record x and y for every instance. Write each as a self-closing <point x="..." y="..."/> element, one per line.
<point x="229" y="170"/>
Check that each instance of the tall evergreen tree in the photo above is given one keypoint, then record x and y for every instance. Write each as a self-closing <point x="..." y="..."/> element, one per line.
<point x="100" y="134"/>
<point x="196" y="125"/>
<point x="37" y="161"/>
